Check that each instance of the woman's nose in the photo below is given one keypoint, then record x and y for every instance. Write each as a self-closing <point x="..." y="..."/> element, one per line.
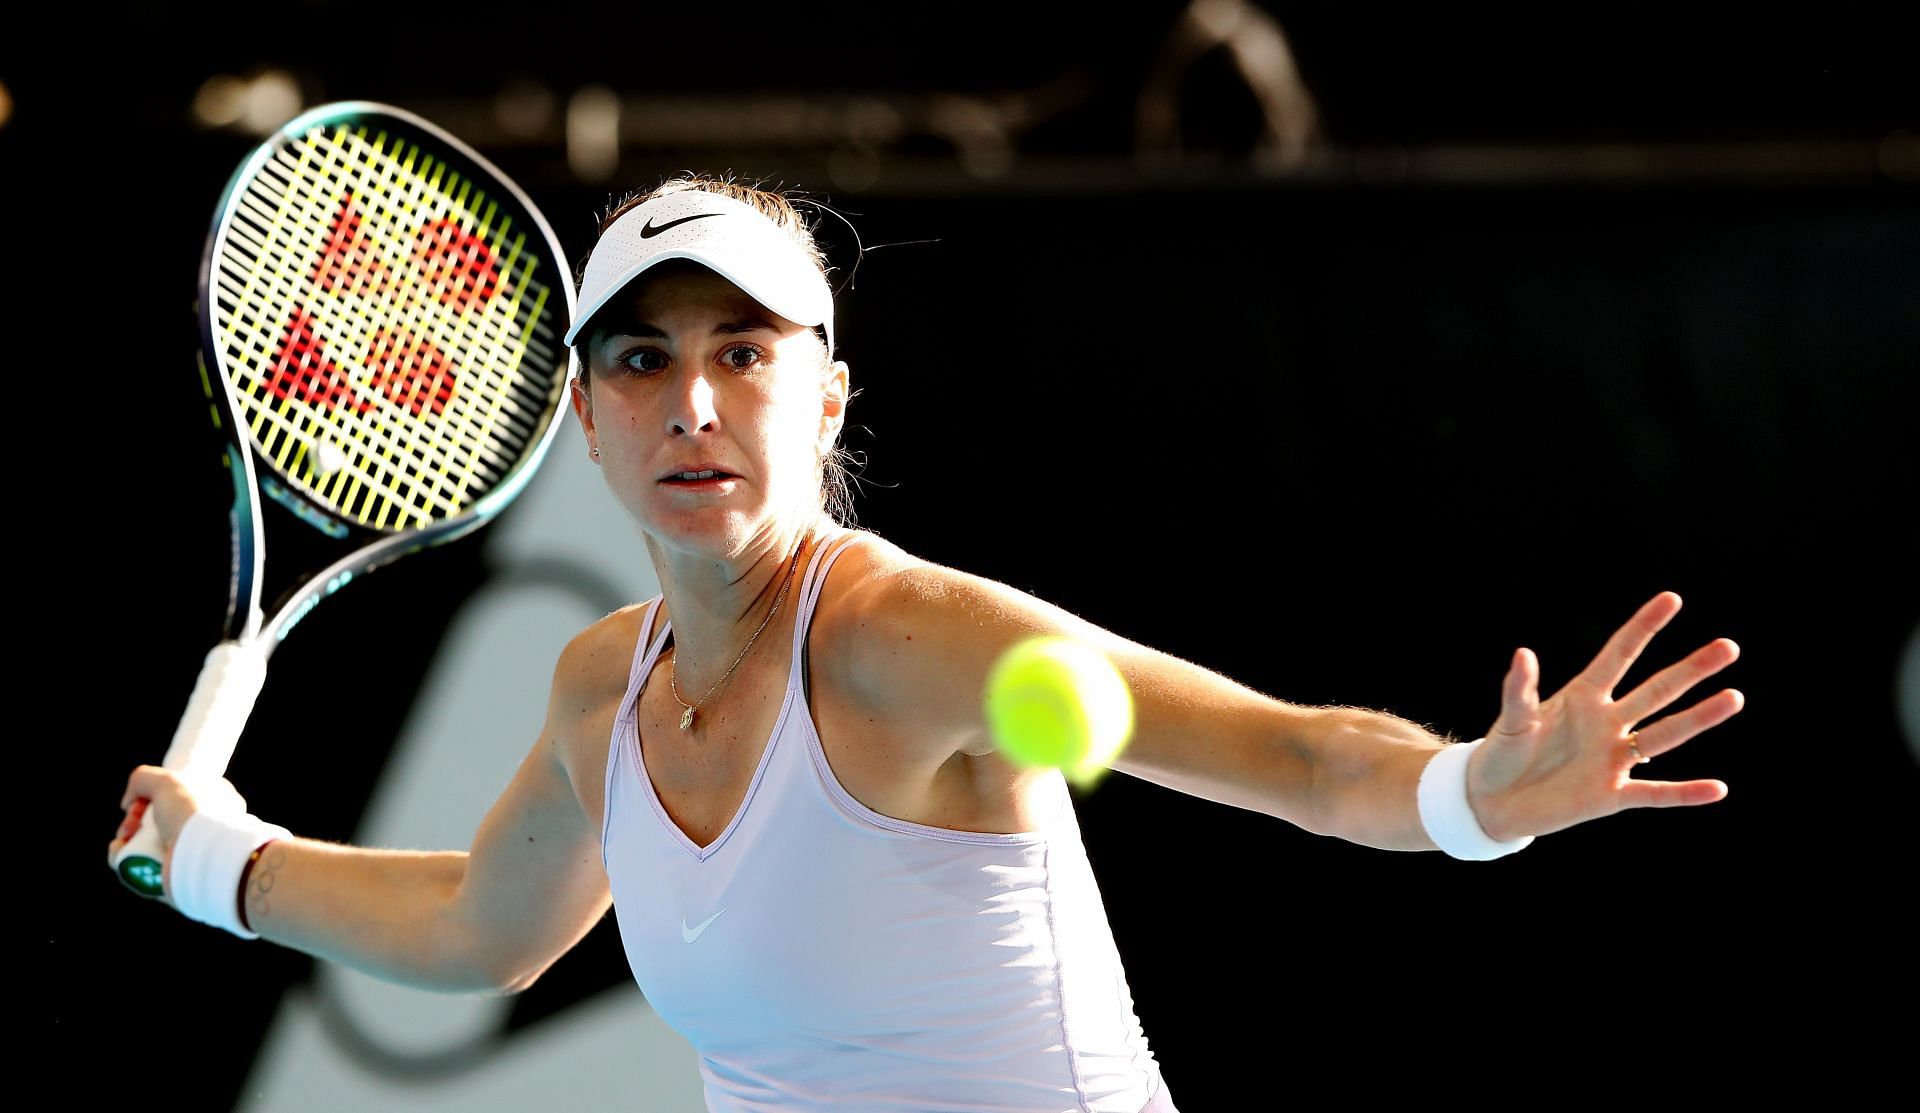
<point x="692" y="408"/>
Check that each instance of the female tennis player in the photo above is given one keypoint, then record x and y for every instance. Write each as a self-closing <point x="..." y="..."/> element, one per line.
<point x="828" y="878"/>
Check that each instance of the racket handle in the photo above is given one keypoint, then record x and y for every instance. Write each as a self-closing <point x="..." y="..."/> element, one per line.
<point x="216" y="713"/>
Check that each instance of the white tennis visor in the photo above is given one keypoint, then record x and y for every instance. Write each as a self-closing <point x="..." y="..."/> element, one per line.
<point x="729" y="237"/>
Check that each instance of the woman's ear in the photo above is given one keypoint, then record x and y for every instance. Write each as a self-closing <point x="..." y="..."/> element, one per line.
<point x="833" y="408"/>
<point x="583" y="409"/>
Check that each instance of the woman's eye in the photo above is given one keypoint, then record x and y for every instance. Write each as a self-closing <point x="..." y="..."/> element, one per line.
<point x="741" y="357"/>
<point x="643" y="361"/>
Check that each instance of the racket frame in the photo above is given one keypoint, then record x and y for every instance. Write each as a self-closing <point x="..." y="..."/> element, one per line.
<point x="234" y="671"/>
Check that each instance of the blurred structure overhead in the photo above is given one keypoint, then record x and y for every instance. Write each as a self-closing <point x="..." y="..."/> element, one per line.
<point x="1261" y="58"/>
<point x="1066" y="96"/>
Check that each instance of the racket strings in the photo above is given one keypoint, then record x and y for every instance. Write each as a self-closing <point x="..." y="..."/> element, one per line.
<point x="524" y="407"/>
<point x="415" y="305"/>
<point x="300" y="369"/>
<point x="389" y="365"/>
<point x="376" y="303"/>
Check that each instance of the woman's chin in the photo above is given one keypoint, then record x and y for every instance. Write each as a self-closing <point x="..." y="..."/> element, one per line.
<point x="708" y="533"/>
<point x="720" y="531"/>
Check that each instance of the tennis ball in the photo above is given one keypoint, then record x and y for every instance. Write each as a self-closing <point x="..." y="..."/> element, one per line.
<point x="1057" y="701"/>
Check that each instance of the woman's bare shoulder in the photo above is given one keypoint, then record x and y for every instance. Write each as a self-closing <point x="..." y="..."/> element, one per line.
<point x="879" y="597"/>
<point x="869" y="555"/>
<point x="881" y="576"/>
<point x="600" y="657"/>
<point x="866" y="569"/>
<point x="589" y="681"/>
<point x="910" y="642"/>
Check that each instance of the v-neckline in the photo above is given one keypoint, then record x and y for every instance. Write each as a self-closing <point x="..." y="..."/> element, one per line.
<point x="794" y="695"/>
<point x="699" y="852"/>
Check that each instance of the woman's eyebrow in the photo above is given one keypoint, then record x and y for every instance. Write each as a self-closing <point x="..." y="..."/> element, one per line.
<point x="623" y="322"/>
<point x="751" y="323"/>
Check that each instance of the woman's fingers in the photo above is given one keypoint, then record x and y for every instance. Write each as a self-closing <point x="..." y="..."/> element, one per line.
<point x="1519" y="694"/>
<point x="142" y="783"/>
<point x="1627" y="643"/>
<point x="1671" y="794"/>
<point x="129" y="823"/>
<point x="1672" y="682"/>
<point x="1584" y="717"/>
<point x="1673" y="730"/>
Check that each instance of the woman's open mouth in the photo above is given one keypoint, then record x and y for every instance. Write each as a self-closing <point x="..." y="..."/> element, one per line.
<point x="703" y="479"/>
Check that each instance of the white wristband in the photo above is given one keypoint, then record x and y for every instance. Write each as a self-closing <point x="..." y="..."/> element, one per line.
<point x="1446" y="813"/>
<point x="210" y="854"/>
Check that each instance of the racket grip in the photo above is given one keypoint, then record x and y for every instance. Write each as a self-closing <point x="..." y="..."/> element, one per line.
<point x="209" y="729"/>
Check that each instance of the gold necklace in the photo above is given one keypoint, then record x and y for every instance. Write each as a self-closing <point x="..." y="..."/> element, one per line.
<point x="673" y="667"/>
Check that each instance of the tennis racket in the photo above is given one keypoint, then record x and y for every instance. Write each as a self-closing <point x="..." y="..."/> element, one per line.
<point x="381" y="314"/>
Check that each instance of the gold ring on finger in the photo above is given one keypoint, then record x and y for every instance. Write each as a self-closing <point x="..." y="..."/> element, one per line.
<point x="1638" y="757"/>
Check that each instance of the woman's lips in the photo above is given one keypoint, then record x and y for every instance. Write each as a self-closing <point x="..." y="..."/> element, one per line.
<point x="719" y="482"/>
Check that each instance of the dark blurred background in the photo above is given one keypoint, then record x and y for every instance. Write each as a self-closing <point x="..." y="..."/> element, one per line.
<point x="1338" y="349"/>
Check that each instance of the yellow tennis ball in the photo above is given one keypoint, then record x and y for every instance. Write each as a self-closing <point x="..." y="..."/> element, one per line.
<point x="1060" y="702"/>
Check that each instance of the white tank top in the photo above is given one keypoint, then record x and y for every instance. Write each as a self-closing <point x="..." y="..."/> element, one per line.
<point x="819" y="955"/>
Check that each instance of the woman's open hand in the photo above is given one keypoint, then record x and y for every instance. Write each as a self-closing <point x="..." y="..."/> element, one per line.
<point x="1547" y="766"/>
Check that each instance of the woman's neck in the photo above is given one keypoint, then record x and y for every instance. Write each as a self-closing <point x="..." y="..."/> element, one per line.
<point x="717" y="605"/>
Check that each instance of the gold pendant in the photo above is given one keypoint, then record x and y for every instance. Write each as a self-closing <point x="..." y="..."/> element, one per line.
<point x="686" y="719"/>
